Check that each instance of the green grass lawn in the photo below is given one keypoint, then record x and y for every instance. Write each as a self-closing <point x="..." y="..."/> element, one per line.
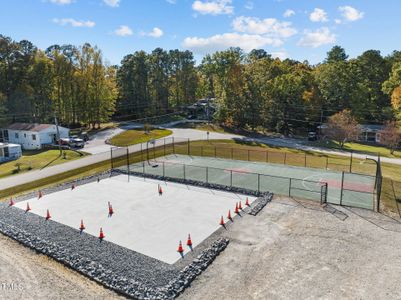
<point x="136" y="136"/>
<point x="357" y="147"/>
<point x="35" y="160"/>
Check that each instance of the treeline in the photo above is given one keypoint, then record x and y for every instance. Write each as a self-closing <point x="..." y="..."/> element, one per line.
<point x="256" y="90"/>
<point x="253" y="90"/>
<point x="70" y="82"/>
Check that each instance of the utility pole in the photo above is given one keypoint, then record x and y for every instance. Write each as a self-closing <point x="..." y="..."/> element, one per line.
<point x="58" y="134"/>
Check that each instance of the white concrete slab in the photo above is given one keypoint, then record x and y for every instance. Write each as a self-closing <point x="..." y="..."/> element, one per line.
<point x="142" y="221"/>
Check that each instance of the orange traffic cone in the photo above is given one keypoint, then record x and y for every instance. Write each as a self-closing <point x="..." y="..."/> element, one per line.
<point x="111" y="211"/>
<point x="72" y="187"/>
<point x="48" y="216"/>
<point x="180" y="249"/>
<point x="11" y="202"/>
<point x="236" y="208"/>
<point x="247" y="202"/>
<point x="40" y="194"/>
<point x="160" y="190"/>
<point x="222" y="221"/>
<point x="229" y="215"/>
<point x="28" y="208"/>
<point x="240" y="205"/>
<point x="189" y="241"/>
<point x="101" y="234"/>
<point x="82" y="226"/>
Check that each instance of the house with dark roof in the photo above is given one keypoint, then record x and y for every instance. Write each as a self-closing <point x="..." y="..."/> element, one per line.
<point x="32" y="136"/>
<point x="367" y="133"/>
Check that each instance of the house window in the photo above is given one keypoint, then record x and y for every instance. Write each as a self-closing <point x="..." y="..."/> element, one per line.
<point x="16" y="135"/>
<point x="34" y="137"/>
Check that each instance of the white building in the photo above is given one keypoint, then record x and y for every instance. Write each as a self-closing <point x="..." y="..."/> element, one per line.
<point x="9" y="152"/>
<point x="32" y="136"/>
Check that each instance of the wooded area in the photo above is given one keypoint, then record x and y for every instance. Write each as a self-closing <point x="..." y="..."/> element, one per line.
<point x="253" y="90"/>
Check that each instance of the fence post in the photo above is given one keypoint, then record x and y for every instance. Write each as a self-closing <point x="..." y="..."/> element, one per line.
<point x="207" y="174"/>
<point x="248" y="154"/>
<point x="201" y="150"/>
<point x="189" y="147"/>
<point x="214" y="151"/>
<point x="267" y="156"/>
<point x="232" y="150"/>
<point x="164" y="147"/>
<point x="285" y="158"/>
<point x="289" y="189"/>
<point x="305" y="159"/>
<point x="128" y="162"/>
<point x="143" y="169"/>
<point x="327" y="162"/>
<point x="258" y="183"/>
<point x="231" y="178"/>
<point x="342" y="188"/>
<point x="141" y="153"/>
<point x="173" y="145"/>
<point x="164" y="171"/>
<point x="350" y="163"/>
<point x="184" y="174"/>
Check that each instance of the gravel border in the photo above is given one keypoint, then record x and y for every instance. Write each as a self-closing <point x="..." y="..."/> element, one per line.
<point x="125" y="271"/>
<point x="260" y="204"/>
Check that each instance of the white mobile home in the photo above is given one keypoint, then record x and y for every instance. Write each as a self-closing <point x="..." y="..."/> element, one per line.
<point x="9" y="152"/>
<point x="32" y="136"/>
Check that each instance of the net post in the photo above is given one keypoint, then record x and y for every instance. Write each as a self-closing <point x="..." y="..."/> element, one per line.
<point x="289" y="188"/>
<point x="342" y="188"/>
<point x="111" y="159"/>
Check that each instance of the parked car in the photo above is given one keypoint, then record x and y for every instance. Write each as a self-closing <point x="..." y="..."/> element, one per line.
<point x="76" y="142"/>
<point x="312" y="136"/>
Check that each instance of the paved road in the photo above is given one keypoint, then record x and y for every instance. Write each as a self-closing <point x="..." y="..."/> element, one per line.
<point x="101" y="151"/>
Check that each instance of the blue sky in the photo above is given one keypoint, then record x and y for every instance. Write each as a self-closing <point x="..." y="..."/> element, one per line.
<point x="302" y="30"/>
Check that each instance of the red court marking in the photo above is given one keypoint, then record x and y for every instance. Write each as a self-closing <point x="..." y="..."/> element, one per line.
<point x="238" y="170"/>
<point x="353" y="186"/>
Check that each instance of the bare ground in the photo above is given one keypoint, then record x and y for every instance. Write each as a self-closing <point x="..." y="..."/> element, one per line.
<point x="24" y="274"/>
<point x="295" y="250"/>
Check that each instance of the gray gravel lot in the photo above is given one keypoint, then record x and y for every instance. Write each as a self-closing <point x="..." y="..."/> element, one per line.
<point x="298" y="250"/>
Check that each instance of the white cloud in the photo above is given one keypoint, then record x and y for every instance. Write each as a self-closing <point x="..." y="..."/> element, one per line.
<point x="215" y="7"/>
<point x="350" y="14"/>
<point x="219" y="42"/>
<point x="288" y="13"/>
<point x="249" y="5"/>
<point x="269" y="26"/>
<point x="172" y="1"/>
<point x="156" y="32"/>
<point x="279" y="54"/>
<point x="318" y="15"/>
<point x="73" y="22"/>
<point x="61" y="2"/>
<point x="337" y="21"/>
<point x="317" y="38"/>
<point x="112" y="3"/>
<point x="123" y="30"/>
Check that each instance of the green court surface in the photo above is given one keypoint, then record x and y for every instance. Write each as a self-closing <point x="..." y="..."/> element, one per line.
<point x="354" y="190"/>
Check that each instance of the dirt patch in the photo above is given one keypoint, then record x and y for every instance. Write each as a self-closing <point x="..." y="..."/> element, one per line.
<point x="27" y="275"/>
<point x="297" y="251"/>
